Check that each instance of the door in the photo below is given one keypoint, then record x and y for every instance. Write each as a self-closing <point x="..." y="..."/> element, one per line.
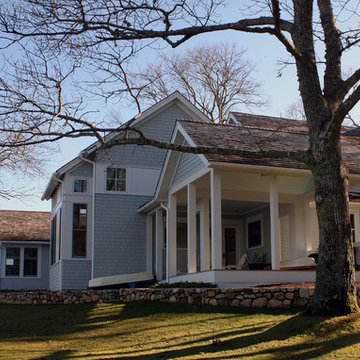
<point x="230" y="245"/>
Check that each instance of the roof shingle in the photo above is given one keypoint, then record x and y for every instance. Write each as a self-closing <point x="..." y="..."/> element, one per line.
<point x="24" y="226"/>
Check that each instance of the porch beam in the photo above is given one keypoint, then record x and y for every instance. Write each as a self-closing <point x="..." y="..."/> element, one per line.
<point x="216" y="233"/>
<point x="204" y="235"/>
<point x="159" y="244"/>
<point x="191" y="228"/>
<point x="274" y="223"/>
<point x="171" y="248"/>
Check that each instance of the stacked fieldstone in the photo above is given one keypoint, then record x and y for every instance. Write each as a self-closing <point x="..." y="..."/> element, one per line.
<point x="261" y="297"/>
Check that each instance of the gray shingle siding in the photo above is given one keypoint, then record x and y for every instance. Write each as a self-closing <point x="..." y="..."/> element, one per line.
<point x="84" y="170"/>
<point x="41" y="282"/>
<point x="120" y="235"/>
<point x="55" y="277"/>
<point x="76" y="274"/>
<point x="188" y="165"/>
<point x="159" y="127"/>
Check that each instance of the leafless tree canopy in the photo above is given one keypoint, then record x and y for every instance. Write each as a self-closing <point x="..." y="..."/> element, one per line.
<point x="60" y="38"/>
<point x="215" y="78"/>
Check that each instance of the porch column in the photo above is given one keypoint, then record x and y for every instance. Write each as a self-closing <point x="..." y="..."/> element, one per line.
<point x="274" y="223"/>
<point x="216" y="233"/>
<point x="204" y="235"/>
<point x="191" y="228"/>
<point x="159" y="244"/>
<point x="171" y="266"/>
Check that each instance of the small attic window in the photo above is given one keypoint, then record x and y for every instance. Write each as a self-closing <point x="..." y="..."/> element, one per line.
<point x="115" y="179"/>
<point x="80" y="185"/>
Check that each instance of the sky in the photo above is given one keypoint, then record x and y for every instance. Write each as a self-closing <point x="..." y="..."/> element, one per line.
<point x="264" y="51"/>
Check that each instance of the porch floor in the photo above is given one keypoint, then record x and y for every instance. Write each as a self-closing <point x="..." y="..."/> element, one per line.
<point x="250" y="278"/>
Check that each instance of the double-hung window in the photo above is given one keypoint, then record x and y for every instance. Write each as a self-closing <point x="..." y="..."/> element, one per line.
<point x="115" y="179"/>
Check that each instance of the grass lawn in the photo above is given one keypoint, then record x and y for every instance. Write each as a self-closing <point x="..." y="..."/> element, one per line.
<point x="168" y="331"/>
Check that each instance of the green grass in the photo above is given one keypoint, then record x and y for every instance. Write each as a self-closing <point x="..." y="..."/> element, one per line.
<point x="168" y="331"/>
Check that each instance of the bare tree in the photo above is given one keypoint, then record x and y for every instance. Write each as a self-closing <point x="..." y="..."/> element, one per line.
<point x="81" y="29"/>
<point x="215" y="78"/>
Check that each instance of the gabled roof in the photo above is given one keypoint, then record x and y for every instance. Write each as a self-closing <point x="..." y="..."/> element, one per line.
<point x="24" y="226"/>
<point x="175" y="97"/>
<point x="290" y="137"/>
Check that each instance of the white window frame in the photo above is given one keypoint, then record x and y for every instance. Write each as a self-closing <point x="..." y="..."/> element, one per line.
<point x="126" y="179"/>
<point x="250" y="220"/>
<point x="73" y="185"/>
<point x="22" y="258"/>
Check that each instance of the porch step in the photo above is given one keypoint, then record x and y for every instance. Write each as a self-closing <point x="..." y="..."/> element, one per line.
<point x="120" y="280"/>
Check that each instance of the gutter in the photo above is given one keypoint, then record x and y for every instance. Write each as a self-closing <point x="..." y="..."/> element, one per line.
<point x="81" y="157"/>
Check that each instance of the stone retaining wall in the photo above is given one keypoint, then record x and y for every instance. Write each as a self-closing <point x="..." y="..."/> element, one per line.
<point x="272" y="297"/>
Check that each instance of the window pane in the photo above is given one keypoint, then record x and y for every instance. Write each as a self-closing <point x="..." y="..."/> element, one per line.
<point x="110" y="173"/>
<point x="80" y="185"/>
<point x="116" y="179"/>
<point x="79" y="230"/>
<point x="53" y="240"/>
<point x="30" y="261"/>
<point x="254" y="234"/>
<point x="12" y="261"/>
<point x="79" y="243"/>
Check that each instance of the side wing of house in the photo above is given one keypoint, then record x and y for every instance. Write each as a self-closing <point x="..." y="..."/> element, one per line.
<point x="126" y="177"/>
<point x="96" y="229"/>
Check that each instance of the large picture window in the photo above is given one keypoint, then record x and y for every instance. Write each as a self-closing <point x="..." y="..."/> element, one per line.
<point x="20" y="261"/>
<point x="254" y="232"/>
<point x="115" y="179"/>
<point x="79" y="230"/>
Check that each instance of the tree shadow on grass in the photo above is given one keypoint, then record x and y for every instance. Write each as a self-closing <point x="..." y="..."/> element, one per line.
<point x="317" y="336"/>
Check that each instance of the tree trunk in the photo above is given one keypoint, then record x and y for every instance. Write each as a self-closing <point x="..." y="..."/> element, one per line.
<point x="335" y="290"/>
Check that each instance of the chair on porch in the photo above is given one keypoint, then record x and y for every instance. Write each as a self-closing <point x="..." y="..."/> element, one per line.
<point x="240" y="263"/>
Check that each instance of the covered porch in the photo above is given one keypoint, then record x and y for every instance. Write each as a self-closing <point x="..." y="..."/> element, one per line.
<point x="235" y="225"/>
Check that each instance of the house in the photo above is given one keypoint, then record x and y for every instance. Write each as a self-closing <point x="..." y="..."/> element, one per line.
<point x="96" y="228"/>
<point x="24" y="249"/>
<point x="191" y="217"/>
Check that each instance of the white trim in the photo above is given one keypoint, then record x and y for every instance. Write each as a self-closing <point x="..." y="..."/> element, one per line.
<point x="248" y="221"/>
<point x="191" y="228"/>
<point x="203" y="171"/>
<point x="216" y="220"/>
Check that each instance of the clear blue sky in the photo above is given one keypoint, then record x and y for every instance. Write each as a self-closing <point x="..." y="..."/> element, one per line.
<point x="262" y="50"/>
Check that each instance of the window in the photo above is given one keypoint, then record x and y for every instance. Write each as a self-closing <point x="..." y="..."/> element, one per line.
<point x="80" y="185"/>
<point x="352" y="222"/>
<point x="79" y="230"/>
<point x="53" y="240"/>
<point x="12" y="261"/>
<point x="30" y="261"/>
<point x="21" y="261"/>
<point x="254" y="232"/>
<point x="115" y="179"/>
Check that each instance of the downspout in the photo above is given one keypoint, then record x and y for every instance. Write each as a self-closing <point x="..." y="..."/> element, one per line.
<point x="167" y="240"/>
<point x="81" y="157"/>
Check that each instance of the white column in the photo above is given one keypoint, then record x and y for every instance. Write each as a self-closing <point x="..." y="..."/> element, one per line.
<point x="274" y="223"/>
<point x="216" y="233"/>
<point x="159" y="244"/>
<point x="171" y="266"/>
<point x="204" y="235"/>
<point x="191" y="227"/>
